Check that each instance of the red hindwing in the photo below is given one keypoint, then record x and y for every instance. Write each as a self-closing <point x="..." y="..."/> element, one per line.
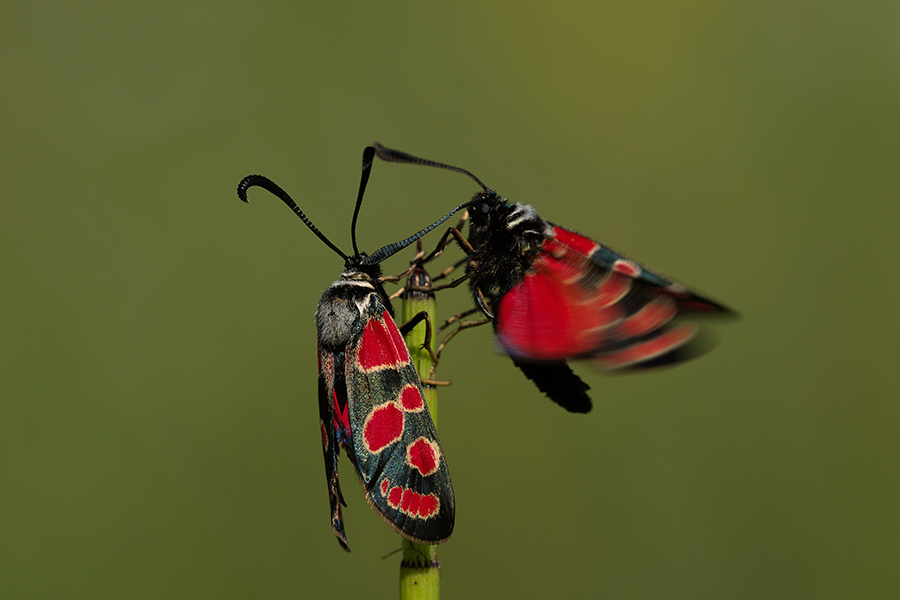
<point x="581" y="299"/>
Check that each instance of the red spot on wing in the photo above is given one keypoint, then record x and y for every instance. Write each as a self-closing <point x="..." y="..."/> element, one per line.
<point x="341" y="409"/>
<point x="381" y="345"/>
<point x="429" y="506"/>
<point x="575" y="241"/>
<point x="411" y="399"/>
<point x="420" y="506"/>
<point x="385" y="486"/>
<point x="410" y="502"/>
<point x="626" y="267"/>
<point x="665" y="342"/>
<point x="395" y="334"/>
<point x="394" y="496"/>
<point x="324" y="435"/>
<point x="423" y="455"/>
<point x="652" y="316"/>
<point x="383" y="427"/>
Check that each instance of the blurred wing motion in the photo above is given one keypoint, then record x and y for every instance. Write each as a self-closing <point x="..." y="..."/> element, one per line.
<point x="581" y="300"/>
<point x="555" y="295"/>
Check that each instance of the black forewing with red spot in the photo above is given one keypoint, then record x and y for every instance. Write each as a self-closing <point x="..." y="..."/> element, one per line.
<point x="393" y="441"/>
<point x="581" y="299"/>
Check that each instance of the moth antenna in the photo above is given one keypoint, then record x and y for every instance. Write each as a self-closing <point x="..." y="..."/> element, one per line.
<point x="368" y="155"/>
<point x="267" y="184"/>
<point x="386" y="252"/>
<point x="391" y="155"/>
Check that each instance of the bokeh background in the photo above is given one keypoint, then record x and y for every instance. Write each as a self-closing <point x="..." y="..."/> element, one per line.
<point x="158" y="422"/>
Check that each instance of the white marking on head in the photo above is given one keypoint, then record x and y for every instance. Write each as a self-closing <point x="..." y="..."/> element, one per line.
<point x="345" y="280"/>
<point x="520" y="212"/>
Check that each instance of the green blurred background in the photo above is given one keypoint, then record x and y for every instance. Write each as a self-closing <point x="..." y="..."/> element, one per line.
<point x="158" y="423"/>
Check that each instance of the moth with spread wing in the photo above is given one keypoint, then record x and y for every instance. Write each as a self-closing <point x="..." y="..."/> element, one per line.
<point x="555" y="295"/>
<point x="370" y="396"/>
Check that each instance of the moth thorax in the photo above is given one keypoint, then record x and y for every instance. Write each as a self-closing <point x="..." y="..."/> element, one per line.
<point x="340" y="306"/>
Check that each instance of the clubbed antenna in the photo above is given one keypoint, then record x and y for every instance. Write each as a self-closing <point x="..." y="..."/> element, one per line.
<point x="267" y="184"/>
<point x="358" y="258"/>
<point x="402" y="157"/>
<point x="368" y="155"/>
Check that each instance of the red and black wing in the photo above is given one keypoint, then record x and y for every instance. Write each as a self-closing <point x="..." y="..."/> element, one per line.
<point x="582" y="300"/>
<point x="335" y="429"/>
<point x="395" y="444"/>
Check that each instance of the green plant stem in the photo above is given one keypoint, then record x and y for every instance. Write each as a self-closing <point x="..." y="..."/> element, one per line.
<point x="420" y="570"/>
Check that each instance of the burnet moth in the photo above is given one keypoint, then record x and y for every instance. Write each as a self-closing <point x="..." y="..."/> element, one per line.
<point x="370" y="396"/>
<point x="554" y="295"/>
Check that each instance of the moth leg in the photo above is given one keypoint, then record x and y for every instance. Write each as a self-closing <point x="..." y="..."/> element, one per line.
<point x="452" y="284"/>
<point x="456" y="318"/>
<point x="397" y="294"/>
<point x="457" y="236"/>
<point x="407" y="327"/>
<point x="482" y="304"/>
<point x="416" y="261"/>
<point x="462" y="242"/>
<point x="455" y="231"/>
<point x="466" y="247"/>
<point x="452" y="334"/>
<point x="452" y="268"/>
<point x="430" y="288"/>
<point x="421" y="259"/>
<point x="415" y="320"/>
<point x="435" y="382"/>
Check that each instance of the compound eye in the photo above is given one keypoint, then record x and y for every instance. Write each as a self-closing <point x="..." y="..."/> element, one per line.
<point x="483" y="207"/>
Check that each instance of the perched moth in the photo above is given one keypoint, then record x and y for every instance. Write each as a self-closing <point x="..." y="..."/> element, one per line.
<point x="370" y="396"/>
